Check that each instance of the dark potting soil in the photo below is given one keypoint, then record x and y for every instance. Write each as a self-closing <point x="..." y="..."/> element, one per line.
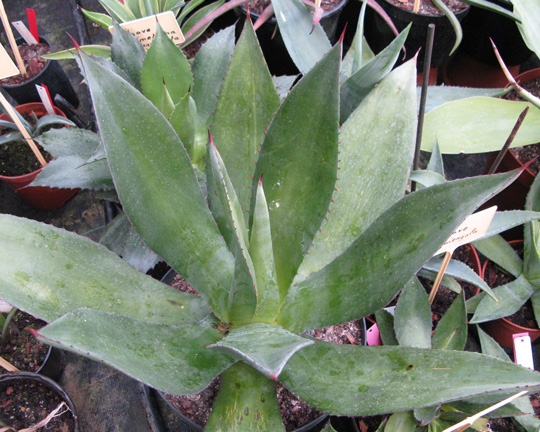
<point x="23" y="350"/>
<point x="31" y="55"/>
<point x="17" y="159"/>
<point x="527" y="153"/>
<point x="26" y="403"/>
<point x="427" y="7"/>
<point x="258" y="6"/>
<point x="294" y="412"/>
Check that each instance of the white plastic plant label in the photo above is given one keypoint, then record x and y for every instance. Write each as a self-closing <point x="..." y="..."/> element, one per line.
<point x="7" y="67"/>
<point x="45" y="97"/>
<point x="523" y="355"/>
<point x="471" y="229"/>
<point x="24" y="32"/>
<point x="144" y="29"/>
<point x="5" y="307"/>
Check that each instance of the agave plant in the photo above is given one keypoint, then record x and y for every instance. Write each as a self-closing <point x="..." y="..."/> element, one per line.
<point x="294" y="234"/>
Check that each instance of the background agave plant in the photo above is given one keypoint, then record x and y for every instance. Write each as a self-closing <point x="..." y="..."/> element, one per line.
<point x="304" y="225"/>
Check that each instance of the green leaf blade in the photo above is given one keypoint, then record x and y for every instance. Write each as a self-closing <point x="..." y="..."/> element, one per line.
<point x="451" y="332"/>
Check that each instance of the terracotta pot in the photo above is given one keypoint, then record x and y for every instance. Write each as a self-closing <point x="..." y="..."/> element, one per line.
<point x="44" y="198"/>
<point x="502" y="330"/>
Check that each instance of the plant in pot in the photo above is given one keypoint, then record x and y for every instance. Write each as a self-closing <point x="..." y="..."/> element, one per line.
<point x="20" y="158"/>
<point x="260" y="290"/>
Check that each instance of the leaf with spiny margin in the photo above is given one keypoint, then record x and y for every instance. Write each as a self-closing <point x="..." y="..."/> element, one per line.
<point x="246" y="402"/>
<point x="510" y="296"/>
<point x="70" y="141"/>
<point x="451" y="331"/>
<point x="158" y="188"/>
<point x="436" y="163"/>
<point x="298" y="162"/>
<point x="355" y="380"/>
<point x="166" y="106"/>
<point x="247" y="102"/>
<point x="120" y="237"/>
<point x="165" y="63"/>
<point x="127" y="53"/>
<point x="169" y="358"/>
<point x="209" y="68"/>
<point x="48" y="272"/>
<point x="228" y="215"/>
<point x="265" y="347"/>
<point x="412" y="319"/>
<point x="358" y="85"/>
<point x="377" y="142"/>
<point x="385" y="322"/>
<point x="504" y="220"/>
<point x="531" y="237"/>
<point x="118" y="10"/>
<point x="387" y="254"/>
<point x="490" y="346"/>
<point x="497" y="249"/>
<point x="262" y="255"/>
<point x="184" y="121"/>
<point x="447" y="281"/>
<point x="305" y="43"/>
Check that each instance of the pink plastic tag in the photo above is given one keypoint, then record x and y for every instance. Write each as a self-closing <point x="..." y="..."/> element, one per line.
<point x="523" y="355"/>
<point x="373" y="336"/>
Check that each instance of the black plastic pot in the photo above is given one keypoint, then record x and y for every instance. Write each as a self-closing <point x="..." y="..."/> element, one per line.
<point x="52" y="75"/>
<point x="274" y="50"/>
<point x="481" y="25"/>
<point x="379" y="35"/>
<point x="11" y="378"/>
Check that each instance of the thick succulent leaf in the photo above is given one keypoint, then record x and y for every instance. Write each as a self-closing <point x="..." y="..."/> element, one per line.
<point x="385" y="322"/>
<point x="386" y="255"/>
<point x="490" y="6"/>
<point x="48" y="272"/>
<point x="184" y="120"/>
<point x="228" y="215"/>
<point x="511" y="297"/>
<point x="531" y="237"/>
<point x="467" y="126"/>
<point x="284" y="84"/>
<point x="458" y="270"/>
<point x="246" y="402"/>
<point x="265" y="347"/>
<point x="438" y="95"/>
<point x="118" y="10"/>
<point x="157" y="186"/>
<point x="169" y="358"/>
<point x="412" y="319"/>
<point x="195" y="17"/>
<point x="401" y="422"/>
<point x="529" y="421"/>
<point x="120" y="237"/>
<point x="262" y="255"/>
<point x="528" y="11"/>
<point x="133" y="6"/>
<point x="490" y="346"/>
<point x="305" y="44"/>
<point x="451" y="331"/>
<point x="426" y="415"/>
<point x="376" y="150"/>
<point x="209" y="68"/>
<point x="70" y="142"/>
<point x="298" y="164"/>
<point x="103" y="20"/>
<point x="360" y="380"/>
<point x="504" y="220"/>
<point x="350" y="61"/>
<point x="358" y="85"/>
<point x="11" y="137"/>
<point x="165" y="63"/>
<point x="447" y="281"/>
<point x="246" y="105"/>
<point x="498" y="250"/>
<point x="535" y="301"/>
<point x="436" y="163"/>
<point x="149" y="7"/>
<point x="127" y="53"/>
<point x="51" y="120"/>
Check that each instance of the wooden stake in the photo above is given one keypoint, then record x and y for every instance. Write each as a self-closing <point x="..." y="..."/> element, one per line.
<point x="11" y="38"/>
<point x="416" y="6"/>
<point x="13" y="115"/>
<point x="7" y="365"/>
<point x="439" y="277"/>
<point x="463" y="425"/>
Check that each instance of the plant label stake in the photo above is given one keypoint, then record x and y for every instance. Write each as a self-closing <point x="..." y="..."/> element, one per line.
<point x="144" y="29"/>
<point x="7" y="365"/>
<point x="471" y="229"/>
<point x="7" y="67"/>
<point x="523" y="355"/>
<point x="463" y="425"/>
<point x="32" y="23"/>
<point x="45" y="97"/>
<point x="24" y="32"/>
<point x="11" y="39"/>
<point x="13" y="115"/>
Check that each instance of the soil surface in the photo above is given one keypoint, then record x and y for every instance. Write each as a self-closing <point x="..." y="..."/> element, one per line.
<point x="31" y="55"/>
<point x="25" y="403"/>
<point x="527" y="153"/>
<point x="427" y="7"/>
<point x="23" y="350"/>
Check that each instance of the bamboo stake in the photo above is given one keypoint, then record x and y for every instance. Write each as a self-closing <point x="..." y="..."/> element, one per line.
<point x="463" y="425"/>
<point x="13" y="115"/>
<point x="416" y="6"/>
<point x="11" y="38"/>
<point x="438" y="279"/>
<point x="7" y="365"/>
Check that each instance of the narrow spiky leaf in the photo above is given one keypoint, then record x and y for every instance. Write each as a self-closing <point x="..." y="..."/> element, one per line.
<point x="451" y="331"/>
<point x="127" y="53"/>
